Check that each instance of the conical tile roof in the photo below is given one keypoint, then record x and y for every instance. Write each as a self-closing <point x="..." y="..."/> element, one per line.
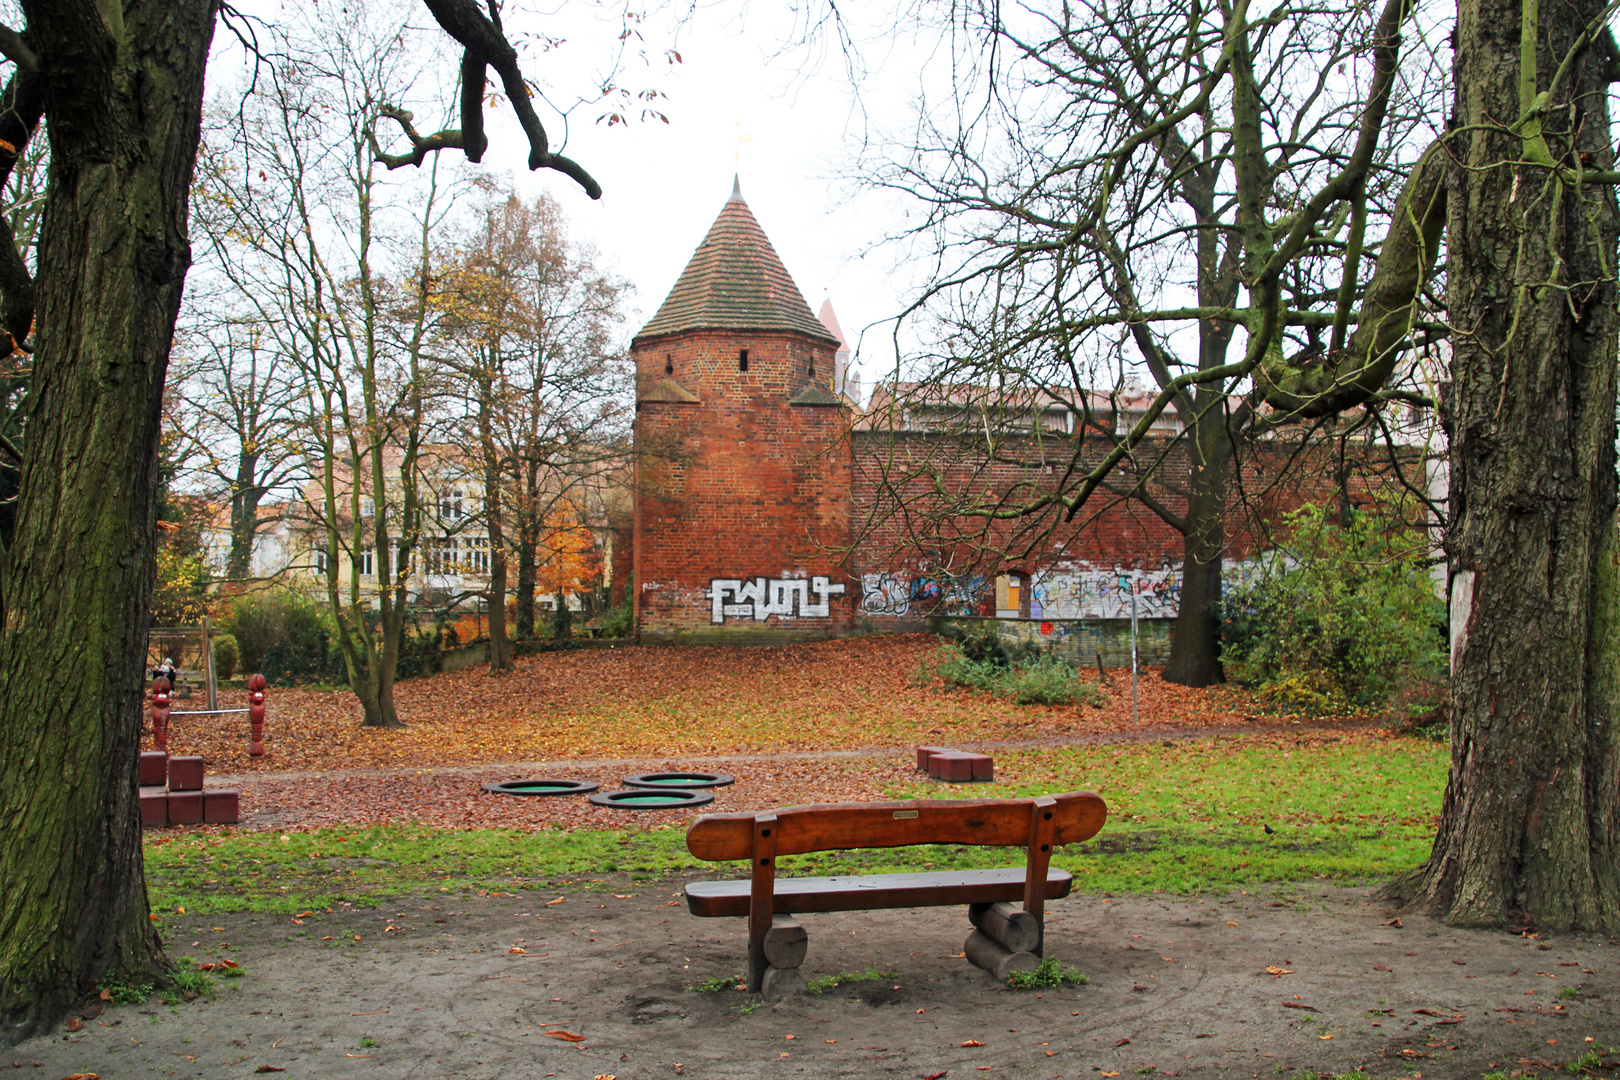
<point x="735" y="281"/>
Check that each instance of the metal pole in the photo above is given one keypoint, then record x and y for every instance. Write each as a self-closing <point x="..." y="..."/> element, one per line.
<point x="1135" y="715"/>
<point x="208" y="665"/>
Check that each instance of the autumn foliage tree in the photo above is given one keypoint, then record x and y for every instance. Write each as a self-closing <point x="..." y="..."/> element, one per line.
<point x="540" y="387"/>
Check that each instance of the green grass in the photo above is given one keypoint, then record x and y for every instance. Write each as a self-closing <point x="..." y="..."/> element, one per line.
<point x="1048" y="976"/>
<point x="1188" y="818"/>
<point x="717" y="985"/>
<point x="844" y="978"/>
<point x="122" y="992"/>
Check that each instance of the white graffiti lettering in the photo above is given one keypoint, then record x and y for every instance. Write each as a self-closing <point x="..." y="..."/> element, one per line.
<point x="760" y="598"/>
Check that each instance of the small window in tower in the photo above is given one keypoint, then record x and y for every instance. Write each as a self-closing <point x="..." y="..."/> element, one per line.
<point x="669" y="364"/>
<point x="742" y="360"/>
<point x="812" y="367"/>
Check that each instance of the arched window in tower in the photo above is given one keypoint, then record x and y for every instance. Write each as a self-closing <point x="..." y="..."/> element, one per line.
<point x="669" y="364"/>
<point x="742" y="360"/>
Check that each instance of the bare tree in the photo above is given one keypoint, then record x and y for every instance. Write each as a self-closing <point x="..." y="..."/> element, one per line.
<point x="1117" y="186"/>
<point x="239" y="438"/>
<point x="1520" y="185"/>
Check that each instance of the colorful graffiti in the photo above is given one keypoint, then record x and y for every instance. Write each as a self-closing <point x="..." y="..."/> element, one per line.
<point x="1066" y="591"/>
<point x="1105" y="594"/>
<point x="898" y="592"/>
<point x="760" y="598"/>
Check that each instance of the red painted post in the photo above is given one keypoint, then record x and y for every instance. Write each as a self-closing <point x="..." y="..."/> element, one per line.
<point x="160" y="713"/>
<point x="256" y="715"/>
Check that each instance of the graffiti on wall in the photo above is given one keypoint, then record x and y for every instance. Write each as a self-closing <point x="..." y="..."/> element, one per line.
<point x="885" y="594"/>
<point x="1105" y="593"/>
<point x="759" y="598"/>
<point x="1065" y="591"/>
<point x="895" y="593"/>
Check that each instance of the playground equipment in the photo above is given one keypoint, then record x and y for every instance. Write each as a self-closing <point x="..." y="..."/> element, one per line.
<point x="541" y="787"/>
<point x="677" y="781"/>
<point x="161" y="714"/>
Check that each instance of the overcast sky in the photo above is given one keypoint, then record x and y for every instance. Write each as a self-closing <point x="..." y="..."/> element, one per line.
<point x="783" y="123"/>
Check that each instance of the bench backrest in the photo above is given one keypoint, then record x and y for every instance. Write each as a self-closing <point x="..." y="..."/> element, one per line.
<point x="1076" y="816"/>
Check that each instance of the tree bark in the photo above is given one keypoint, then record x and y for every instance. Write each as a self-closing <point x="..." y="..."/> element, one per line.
<point x="500" y="650"/>
<point x="245" y="496"/>
<point x="1195" y="648"/>
<point x="123" y="99"/>
<point x="1528" y="826"/>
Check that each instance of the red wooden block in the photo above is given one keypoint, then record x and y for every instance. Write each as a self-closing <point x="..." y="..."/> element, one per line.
<point x="956" y="767"/>
<point x="154" y="808"/>
<point x="154" y="767"/>
<point x="185" y="774"/>
<point x="926" y="752"/>
<point x="185" y="808"/>
<point x="220" y="807"/>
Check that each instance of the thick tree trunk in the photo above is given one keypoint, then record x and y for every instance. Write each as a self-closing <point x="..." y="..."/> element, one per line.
<point x="1195" y="649"/>
<point x="124" y="104"/>
<point x="1528" y="829"/>
<point x="500" y="650"/>
<point x="244" y="517"/>
<point x="528" y="575"/>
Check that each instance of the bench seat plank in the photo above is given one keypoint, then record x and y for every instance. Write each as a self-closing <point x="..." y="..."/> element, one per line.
<point x="860" y="892"/>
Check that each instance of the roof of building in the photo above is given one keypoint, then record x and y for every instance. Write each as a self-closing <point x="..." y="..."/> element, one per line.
<point x="829" y="319"/>
<point x="735" y="281"/>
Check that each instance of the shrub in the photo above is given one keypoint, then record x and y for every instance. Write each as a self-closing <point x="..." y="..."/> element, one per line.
<point x="620" y="622"/>
<point x="1048" y="681"/>
<point x="1345" y="616"/>
<point x="282" y="619"/>
<point x="562" y="620"/>
<point x="226" y="656"/>
<point x="1033" y="678"/>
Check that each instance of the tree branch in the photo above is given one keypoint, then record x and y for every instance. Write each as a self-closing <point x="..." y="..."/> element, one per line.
<point x="15" y="49"/>
<point x="486" y="44"/>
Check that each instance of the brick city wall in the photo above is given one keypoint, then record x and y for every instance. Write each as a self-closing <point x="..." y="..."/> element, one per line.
<point x="742" y="495"/>
<point x="747" y="505"/>
<point x="916" y="559"/>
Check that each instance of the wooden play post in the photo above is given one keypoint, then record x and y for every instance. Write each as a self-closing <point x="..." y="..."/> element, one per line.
<point x="160" y="713"/>
<point x="256" y="715"/>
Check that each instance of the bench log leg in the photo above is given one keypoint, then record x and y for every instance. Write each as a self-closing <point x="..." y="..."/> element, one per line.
<point x="785" y="945"/>
<point x="987" y="953"/>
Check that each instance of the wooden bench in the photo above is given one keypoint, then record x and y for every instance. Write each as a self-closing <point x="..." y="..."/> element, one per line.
<point x="1037" y="825"/>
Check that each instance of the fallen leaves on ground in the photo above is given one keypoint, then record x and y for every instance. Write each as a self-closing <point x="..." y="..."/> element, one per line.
<point x="637" y="702"/>
<point x="603" y="714"/>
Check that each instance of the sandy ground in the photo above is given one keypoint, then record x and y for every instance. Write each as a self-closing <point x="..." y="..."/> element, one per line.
<point x="1259" y="985"/>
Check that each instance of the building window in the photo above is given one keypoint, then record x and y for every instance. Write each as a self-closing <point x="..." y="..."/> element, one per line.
<point x="368" y="507"/>
<point x="450" y="507"/>
<point x="439" y="557"/>
<point x="365" y="565"/>
<point x="476" y="555"/>
<point x="322" y="562"/>
<point x="742" y="360"/>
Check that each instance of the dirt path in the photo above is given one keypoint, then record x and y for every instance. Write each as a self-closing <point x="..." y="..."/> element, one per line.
<point x="430" y="987"/>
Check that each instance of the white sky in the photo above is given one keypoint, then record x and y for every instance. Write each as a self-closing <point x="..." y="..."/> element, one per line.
<point x="781" y="124"/>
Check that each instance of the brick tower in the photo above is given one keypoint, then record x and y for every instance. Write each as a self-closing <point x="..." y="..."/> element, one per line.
<point x="743" y="470"/>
